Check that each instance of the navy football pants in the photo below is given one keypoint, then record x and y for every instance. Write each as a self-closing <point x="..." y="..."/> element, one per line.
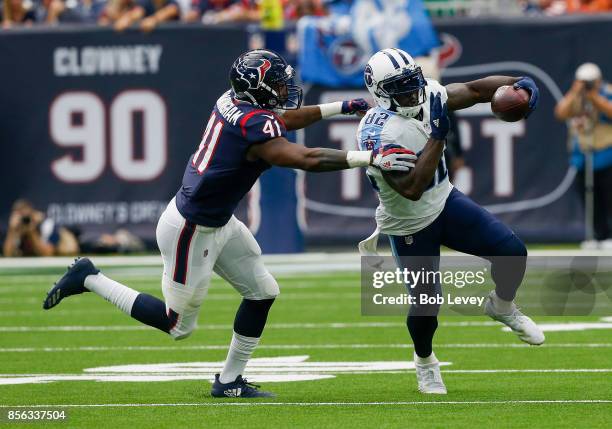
<point x="466" y="227"/>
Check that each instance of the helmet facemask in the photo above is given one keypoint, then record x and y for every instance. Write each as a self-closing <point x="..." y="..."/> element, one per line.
<point x="284" y="94"/>
<point x="405" y="91"/>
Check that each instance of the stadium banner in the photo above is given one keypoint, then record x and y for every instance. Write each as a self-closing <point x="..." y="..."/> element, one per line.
<point x="519" y="171"/>
<point x="96" y="126"/>
<point x="335" y="49"/>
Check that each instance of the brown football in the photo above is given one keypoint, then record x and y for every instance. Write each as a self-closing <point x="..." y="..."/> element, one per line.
<point x="510" y="104"/>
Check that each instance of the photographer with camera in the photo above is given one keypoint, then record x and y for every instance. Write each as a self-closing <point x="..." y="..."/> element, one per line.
<point x="31" y="234"/>
<point x="588" y="108"/>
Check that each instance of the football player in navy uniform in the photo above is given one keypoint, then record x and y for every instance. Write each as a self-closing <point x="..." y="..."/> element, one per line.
<point x="198" y="233"/>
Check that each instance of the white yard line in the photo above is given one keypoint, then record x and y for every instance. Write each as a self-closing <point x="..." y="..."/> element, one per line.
<point x="291" y="286"/>
<point x="287" y="263"/>
<point x="298" y="347"/>
<point x="545" y="370"/>
<point x="316" y="404"/>
<point x="360" y="372"/>
<point x="278" y="264"/>
<point x="287" y="296"/>
<point x="21" y="301"/>
<point x="331" y="325"/>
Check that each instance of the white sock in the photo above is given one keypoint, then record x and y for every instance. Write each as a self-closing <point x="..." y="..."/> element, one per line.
<point x="501" y="305"/>
<point x="239" y="354"/>
<point x="429" y="359"/>
<point x="115" y="293"/>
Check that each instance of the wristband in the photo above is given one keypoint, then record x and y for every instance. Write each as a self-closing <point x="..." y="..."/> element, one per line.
<point x="358" y="158"/>
<point x="330" y="109"/>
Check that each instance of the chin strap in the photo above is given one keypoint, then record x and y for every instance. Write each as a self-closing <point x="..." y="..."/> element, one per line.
<point x="418" y="116"/>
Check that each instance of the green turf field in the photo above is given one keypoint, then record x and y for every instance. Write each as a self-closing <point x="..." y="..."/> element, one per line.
<point x="493" y="380"/>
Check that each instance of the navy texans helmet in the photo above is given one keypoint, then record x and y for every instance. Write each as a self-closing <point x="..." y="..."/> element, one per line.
<point x="264" y="78"/>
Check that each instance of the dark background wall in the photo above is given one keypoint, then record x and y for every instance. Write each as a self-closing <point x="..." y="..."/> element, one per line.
<point x="73" y="95"/>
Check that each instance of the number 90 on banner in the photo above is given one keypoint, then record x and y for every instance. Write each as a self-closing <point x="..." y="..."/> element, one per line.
<point x="78" y="120"/>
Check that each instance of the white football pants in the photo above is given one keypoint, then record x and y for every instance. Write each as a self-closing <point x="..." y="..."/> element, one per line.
<point x="192" y="252"/>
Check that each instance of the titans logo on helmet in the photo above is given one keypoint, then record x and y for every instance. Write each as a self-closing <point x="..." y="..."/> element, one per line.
<point x="253" y="74"/>
<point x="367" y="75"/>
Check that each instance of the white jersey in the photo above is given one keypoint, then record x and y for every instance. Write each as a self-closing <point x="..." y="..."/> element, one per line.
<point x="396" y="215"/>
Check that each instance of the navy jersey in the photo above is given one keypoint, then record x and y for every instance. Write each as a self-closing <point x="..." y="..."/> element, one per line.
<point x="218" y="174"/>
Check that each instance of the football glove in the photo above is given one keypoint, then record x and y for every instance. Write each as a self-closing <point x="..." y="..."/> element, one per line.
<point x="438" y="117"/>
<point x="357" y="105"/>
<point x="530" y="86"/>
<point x="393" y="158"/>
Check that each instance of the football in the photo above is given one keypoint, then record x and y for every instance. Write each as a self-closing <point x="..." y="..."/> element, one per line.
<point x="510" y="104"/>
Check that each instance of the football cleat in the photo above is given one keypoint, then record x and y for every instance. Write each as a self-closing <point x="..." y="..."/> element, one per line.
<point x="429" y="377"/>
<point x="521" y="325"/>
<point x="239" y="388"/>
<point x="71" y="283"/>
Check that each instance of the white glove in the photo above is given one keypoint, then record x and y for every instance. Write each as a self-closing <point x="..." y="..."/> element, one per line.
<point x="393" y="158"/>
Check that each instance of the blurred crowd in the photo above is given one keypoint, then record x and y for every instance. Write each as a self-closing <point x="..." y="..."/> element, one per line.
<point x="31" y="233"/>
<point x="122" y="14"/>
<point x="561" y="7"/>
<point x="147" y="14"/>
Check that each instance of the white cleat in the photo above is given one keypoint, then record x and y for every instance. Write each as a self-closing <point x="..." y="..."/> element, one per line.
<point x="521" y="325"/>
<point x="429" y="377"/>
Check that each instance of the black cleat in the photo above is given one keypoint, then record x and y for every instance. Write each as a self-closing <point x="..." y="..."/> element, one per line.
<point x="71" y="283"/>
<point x="239" y="388"/>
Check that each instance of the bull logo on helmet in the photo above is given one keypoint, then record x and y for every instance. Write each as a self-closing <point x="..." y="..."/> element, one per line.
<point x="252" y="74"/>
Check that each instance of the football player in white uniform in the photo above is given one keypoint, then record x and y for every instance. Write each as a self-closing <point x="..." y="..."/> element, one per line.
<point x="420" y="210"/>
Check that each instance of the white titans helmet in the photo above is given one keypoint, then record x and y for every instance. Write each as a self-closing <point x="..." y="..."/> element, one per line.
<point x="396" y="82"/>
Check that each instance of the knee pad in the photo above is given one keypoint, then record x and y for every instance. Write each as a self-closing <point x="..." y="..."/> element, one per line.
<point x="270" y="289"/>
<point x="183" y="322"/>
<point x="180" y="336"/>
<point x="182" y="330"/>
<point x="263" y="287"/>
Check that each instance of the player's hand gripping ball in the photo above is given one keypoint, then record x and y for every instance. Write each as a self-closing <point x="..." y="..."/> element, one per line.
<point x="530" y="86"/>
<point x="513" y="103"/>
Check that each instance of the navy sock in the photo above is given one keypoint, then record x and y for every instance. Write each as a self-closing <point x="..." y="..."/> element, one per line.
<point x="508" y="269"/>
<point x="422" y="330"/>
<point x="251" y="317"/>
<point x="152" y="311"/>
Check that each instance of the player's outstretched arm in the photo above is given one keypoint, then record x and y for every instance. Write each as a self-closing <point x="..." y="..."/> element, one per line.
<point x="307" y="115"/>
<point x="302" y="117"/>
<point x="282" y="153"/>
<point x="411" y="185"/>
<point x="463" y="95"/>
